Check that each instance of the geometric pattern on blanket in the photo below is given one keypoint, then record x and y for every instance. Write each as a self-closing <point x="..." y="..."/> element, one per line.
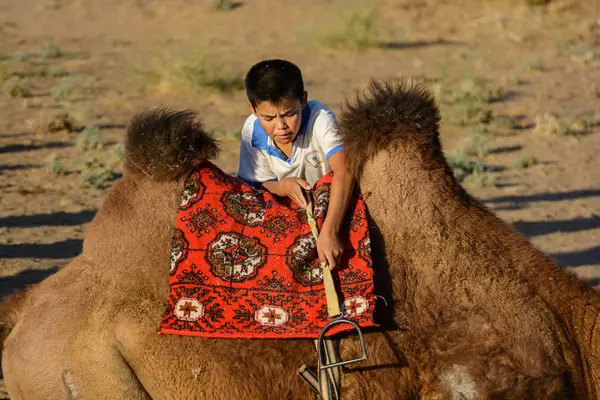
<point x="244" y="263"/>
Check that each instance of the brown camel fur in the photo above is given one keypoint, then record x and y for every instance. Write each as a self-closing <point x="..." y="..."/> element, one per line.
<point x="473" y="310"/>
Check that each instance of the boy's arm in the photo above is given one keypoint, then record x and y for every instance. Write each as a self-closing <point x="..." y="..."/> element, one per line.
<point x="289" y="187"/>
<point x="328" y="245"/>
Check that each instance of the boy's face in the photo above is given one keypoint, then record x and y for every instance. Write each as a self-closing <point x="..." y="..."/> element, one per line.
<point x="282" y="121"/>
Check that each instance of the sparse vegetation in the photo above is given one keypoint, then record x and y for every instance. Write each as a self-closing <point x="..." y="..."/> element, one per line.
<point x="526" y="162"/>
<point x="96" y="170"/>
<point x="65" y="88"/>
<point x="468" y="102"/>
<point x="49" y="5"/>
<point x="16" y="87"/>
<point x="5" y="74"/>
<point x="596" y="119"/>
<point x="549" y="124"/>
<point x="562" y="46"/>
<point x="61" y="121"/>
<point x="224" y="5"/>
<point x="355" y="29"/>
<point x="116" y="41"/>
<point x="472" y="89"/>
<point x="78" y="112"/>
<point x="566" y="130"/>
<point x="514" y="79"/>
<point x="117" y="155"/>
<point x="546" y="124"/>
<point x="119" y="151"/>
<point x="543" y="95"/>
<point x="22" y="57"/>
<point x="531" y="65"/>
<point x="90" y="138"/>
<point x="537" y="3"/>
<point x="467" y="158"/>
<point x="462" y="165"/>
<point x="481" y="180"/>
<point x="467" y="112"/>
<point x="406" y="35"/>
<point x="50" y="50"/>
<point x="198" y="69"/>
<point x="578" y="52"/>
<point x="56" y="166"/>
<point x="476" y="145"/>
<point x="53" y="71"/>
<point x="578" y="125"/>
<point x="504" y="122"/>
<point x="96" y="174"/>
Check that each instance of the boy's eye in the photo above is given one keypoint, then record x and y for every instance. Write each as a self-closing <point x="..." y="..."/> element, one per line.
<point x="268" y="118"/>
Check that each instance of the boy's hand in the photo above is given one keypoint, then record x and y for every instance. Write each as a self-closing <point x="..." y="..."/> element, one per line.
<point x="292" y="188"/>
<point x="329" y="247"/>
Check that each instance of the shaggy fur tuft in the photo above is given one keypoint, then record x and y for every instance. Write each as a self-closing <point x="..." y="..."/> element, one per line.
<point x="388" y="112"/>
<point x="164" y="145"/>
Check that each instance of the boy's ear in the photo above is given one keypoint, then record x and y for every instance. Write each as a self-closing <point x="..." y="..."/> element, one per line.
<point x="251" y="108"/>
<point x="304" y="99"/>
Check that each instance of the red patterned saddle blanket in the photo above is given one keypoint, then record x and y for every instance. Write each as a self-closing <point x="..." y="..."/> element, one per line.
<point x="244" y="263"/>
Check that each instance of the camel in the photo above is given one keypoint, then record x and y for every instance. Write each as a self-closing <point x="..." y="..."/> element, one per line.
<point x="473" y="310"/>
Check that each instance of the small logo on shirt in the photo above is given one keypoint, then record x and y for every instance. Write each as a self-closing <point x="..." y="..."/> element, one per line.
<point x="314" y="159"/>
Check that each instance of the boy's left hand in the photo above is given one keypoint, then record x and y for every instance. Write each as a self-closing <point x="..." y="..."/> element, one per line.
<point x="329" y="247"/>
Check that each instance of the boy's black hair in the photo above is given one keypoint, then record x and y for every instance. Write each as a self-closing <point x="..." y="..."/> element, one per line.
<point x="273" y="81"/>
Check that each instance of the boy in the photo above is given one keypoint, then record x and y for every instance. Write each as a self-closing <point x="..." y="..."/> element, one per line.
<point x="289" y="143"/>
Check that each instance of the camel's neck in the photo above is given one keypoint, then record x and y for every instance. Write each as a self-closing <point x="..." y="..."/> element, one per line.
<point x="433" y="233"/>
<point x="130" y="237"/>
<point x="427" y="219"/>
<point x="409" y="204"/>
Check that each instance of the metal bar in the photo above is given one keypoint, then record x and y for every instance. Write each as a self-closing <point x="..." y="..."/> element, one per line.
<point x="322" y="364"/>
<point x="339" y="364"/>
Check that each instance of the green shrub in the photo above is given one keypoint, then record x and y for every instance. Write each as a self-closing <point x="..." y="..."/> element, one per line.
<point x="537" y="3"/>
<point x="90" y="138"/>
<point x="57" y="167"/>
<point x="462" y="165"/>
<point x="95" y="174"/>
<point x="224" y="5"/>
<point x="355" y="29"/>
<point x="197" y="70"/>
<point x="65" y="88"/>
<point x="526" y="162"/>
<point x="16" y="87"/>
<point x="61" y="121"/>
<point x="50" y="50"/>
<point x="476" y="145"/>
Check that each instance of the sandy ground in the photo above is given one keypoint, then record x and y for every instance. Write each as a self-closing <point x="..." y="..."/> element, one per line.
<point x="544" y="61"/>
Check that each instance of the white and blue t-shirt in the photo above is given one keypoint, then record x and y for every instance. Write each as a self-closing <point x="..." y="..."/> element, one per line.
<point x="318" y="139"/>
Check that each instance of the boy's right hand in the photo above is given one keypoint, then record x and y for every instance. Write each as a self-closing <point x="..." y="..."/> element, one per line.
<point x="292" y="188"/>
